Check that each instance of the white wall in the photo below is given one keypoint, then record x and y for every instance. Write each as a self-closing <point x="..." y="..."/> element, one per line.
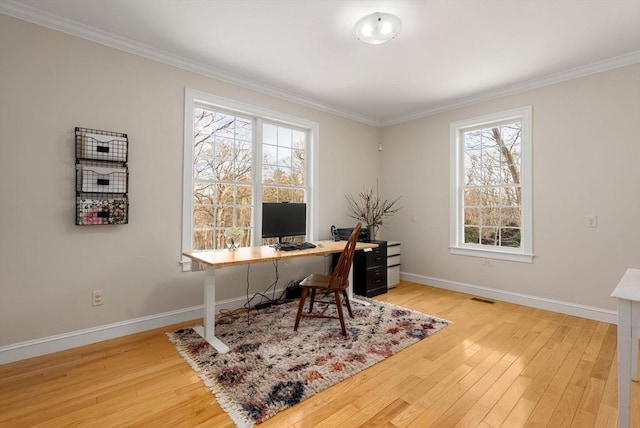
<point x="586" y="160"/>
<point x="50" y="83"/>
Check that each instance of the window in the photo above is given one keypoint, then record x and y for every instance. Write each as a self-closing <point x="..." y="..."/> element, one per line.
<point x="237" y="156"/>
<point x="283" y="166"/>
<point x="491" y="186"/>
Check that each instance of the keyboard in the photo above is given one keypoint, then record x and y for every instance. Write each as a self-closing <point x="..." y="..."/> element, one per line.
<point x="290" y="246"/>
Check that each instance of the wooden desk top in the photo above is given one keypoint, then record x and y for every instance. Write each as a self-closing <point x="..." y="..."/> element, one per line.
<point x="244" y="255"/>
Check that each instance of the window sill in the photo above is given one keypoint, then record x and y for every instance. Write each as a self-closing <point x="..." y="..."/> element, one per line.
<point x="492" y="254"/>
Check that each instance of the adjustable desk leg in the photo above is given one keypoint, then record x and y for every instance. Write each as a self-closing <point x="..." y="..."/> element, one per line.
<point x="350" y="289"/>
<point x="208" y="332"/>
<point x="624" y="361"/>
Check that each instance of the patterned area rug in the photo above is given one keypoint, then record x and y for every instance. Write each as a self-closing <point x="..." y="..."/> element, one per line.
<point x="270" y="368"/>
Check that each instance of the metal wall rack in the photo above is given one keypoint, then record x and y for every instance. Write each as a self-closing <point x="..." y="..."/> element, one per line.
<point x="102" y="177"/>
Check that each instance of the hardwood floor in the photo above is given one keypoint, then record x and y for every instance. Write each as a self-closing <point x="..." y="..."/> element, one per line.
<point x="497" y="365"/>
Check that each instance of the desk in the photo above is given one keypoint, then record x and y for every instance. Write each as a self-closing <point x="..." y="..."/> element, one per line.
<point x="628" y="294"/>
<point x="216" y="259"/>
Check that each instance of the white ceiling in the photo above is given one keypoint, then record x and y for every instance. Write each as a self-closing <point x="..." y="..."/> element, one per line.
<point x="449" y="53"/>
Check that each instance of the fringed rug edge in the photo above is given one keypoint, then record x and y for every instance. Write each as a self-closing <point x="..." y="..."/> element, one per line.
<point x="224" y="402"/>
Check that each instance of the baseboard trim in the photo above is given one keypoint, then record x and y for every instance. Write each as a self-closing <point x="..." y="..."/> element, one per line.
<point x="74" y="339"/>
<point x="589" y="312"/>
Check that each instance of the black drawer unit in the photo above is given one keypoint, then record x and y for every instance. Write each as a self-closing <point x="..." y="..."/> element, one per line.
<point x="370" y="270"/>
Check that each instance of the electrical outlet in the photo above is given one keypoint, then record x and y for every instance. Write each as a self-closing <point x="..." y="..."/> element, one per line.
<point x="412" y="217"/>
<point x="96" y="298"/>
<point x="487" y="262"/>
<point x="591" y="221"/>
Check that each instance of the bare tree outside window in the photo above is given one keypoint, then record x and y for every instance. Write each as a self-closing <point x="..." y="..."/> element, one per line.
<point x="222" y="165"/>
<point x="492" y="186"/>
<point x="283" y="167"/>
<point x="223" y="162"/>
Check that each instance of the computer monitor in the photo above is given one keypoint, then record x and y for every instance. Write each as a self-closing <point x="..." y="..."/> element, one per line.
<point x="280" y="219"/>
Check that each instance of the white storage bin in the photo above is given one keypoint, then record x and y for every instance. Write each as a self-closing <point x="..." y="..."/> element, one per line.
<point x="104" y="180"/>
<point x="393" y="263"/>
<point x="393" y="276"/>
<point x="104" y="147"/>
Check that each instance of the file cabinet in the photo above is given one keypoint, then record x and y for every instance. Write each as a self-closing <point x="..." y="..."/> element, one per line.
<point x="370" y="270"/>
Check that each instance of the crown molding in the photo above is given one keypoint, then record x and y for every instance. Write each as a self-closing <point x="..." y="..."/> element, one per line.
<point x="597" y="67"/>
<point x="27" y="13"/>
<point x="36" y="16"/>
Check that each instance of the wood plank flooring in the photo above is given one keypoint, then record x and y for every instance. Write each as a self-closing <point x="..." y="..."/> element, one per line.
<point x="497" y="365"/>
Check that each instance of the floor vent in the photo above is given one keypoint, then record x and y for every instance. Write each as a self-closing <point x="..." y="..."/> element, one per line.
<point x="479" y="299"/>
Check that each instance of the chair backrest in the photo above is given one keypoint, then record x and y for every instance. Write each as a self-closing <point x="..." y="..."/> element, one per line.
<point x="340" y="275"/>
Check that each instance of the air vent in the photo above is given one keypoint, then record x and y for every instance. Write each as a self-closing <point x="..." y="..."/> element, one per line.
<point x="479" y="299"/>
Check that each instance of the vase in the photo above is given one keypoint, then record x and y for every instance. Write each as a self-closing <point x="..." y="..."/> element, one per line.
<point x="232" y="244"/>
<point x="372" y="232"/>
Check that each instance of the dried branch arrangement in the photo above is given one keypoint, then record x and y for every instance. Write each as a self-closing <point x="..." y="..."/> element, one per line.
<point x="369" y="208"/>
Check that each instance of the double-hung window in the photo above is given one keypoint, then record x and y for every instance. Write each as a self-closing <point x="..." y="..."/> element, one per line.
<point x="237" y="156"/>
<point x="491" y="186"/>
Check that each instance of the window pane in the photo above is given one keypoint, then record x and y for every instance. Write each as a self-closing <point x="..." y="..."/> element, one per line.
<point x="298" y="160"/>
<point x="510" y="217"/>
<point x="297" y="177"/>
<point x="284" y="137"/>
<point x="203" y="216"/>
<point x="220" y="241"/>
<point x="510" y="237"/>
<point x="243" y="218"/>
<point x="510" y="196"/>
<point x="243" y="171"/>
<point x="268" y="174"/>
<point x="298" y="195"/>
<point x="202" y="240"/>
<point x="269" y="154"/>
<point x="225" y="217"/>
<point x="472" y="158"/>
<point x="224" y="168"/>
<point x="472" y="216"/>
<point x="244" y="130"/>
<point x="284" y="157"/>
<point x="223" y="125"/>
<point x="269" y="194"/>
<point x="223" y="159"/>
<point x="471" y="235"/>
<point x="491" y="175"/>
<point x="244" y="196"/>
<point x="283" y="175"/>
<point x="490" y="196"/>
<point x="489" y="235"/>
<point x="204" y="193"/>
<point x="299" y="140"/>
<point x="270" y="134"/>
<point x="487" y="156"/>
<point x="490" y="216"/>
<point x="472" y="140"/>
<point x="472" y="197"/>
<point x="203" y="169"/>
<point x="286" y="195"/>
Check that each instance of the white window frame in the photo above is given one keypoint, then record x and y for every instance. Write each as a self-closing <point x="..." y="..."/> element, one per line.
<point x="193" y="97"/>
<point x="457" y="245"/>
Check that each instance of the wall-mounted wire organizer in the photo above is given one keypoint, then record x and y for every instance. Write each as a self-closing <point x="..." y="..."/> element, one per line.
<point x="102" y="177"/>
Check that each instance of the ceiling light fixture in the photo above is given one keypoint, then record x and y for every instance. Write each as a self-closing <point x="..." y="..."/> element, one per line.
<point x="377" y="28"/>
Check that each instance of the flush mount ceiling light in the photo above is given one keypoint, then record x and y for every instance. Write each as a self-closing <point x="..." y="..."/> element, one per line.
<point x="377" y="28"/>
